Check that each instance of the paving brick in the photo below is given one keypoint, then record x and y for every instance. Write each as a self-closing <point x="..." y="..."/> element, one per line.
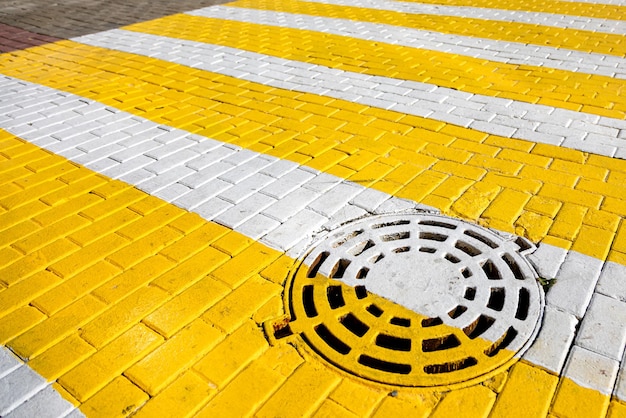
<point x="232" y="355"/>
<point x="46" y="402"/>
<point x="160" y="367"/>
<point x="602" y="329"/>
<point x="101" y="368"/>
<point x="61" y="357"/>
<point x="120" y="397"/>
<point x="17" y="387"/>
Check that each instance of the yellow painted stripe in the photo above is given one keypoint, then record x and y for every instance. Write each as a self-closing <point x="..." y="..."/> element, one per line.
<point x="564" y="197"/>
<point x="524" y="33"/>
<point x="601" y="11"/>
<point x="595" y="94"/>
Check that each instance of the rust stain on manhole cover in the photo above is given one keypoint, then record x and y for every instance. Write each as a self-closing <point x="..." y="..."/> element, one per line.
<point x="417" y="300"/>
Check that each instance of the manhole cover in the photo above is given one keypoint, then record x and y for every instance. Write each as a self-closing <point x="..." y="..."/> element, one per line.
<point x="414" y="300"/>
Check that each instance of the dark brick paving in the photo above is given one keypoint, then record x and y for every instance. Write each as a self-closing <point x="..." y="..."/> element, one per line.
<point x="70" y="18"/>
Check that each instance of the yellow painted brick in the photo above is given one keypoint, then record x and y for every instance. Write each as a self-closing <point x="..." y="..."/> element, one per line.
<point x="250" y="261"/>
<point x="533" y="226"/>
<point x="527" y="393"/>
<point x="549" y="176"/>
<point x="7" y="256"/>
<point x="620" y="239"/>
<point x="103" y="226"/>
<point x="607" y="163"/>
<point x="616" y="206"/>
<point x="188" y="222"/>
<point x="370" y="174"/>
<point x="87" y="256"/>
<point x="118" y="398"/>
<point x="233" y="310"/>
<point x="112" y="204"/>
<point x="36" y="261"/>
<point x="478" y="148"/>
<point x="302" y="393"/>
<point x="459" y="170"/>
<point x="602" y="188"/>
<point x="330" y="409"/>
<point x="232" y="243"/>
<point x="28" y="212"/>
<point x="452" y="187"/>
<point x="617" y="257"/>
<point x="473" y="402"/>
<point x="278" y="270"/>
<point x="108" y="363"/>
<point x="507" y="206"/>
<point x="396" y="407"/>
<point x="356" y="397"/>
<point x="475" y="200"/>
<point x="568" y="221"/>
<point x="26" y="290"/>
<point x="359" y="160"/>
<point x="18" y="231"/>
<point x="572" y="400"/>
<point x="422" y="185"/>
<point x="65" y="205"/>
<point x="601" y="219"/>
<point x="74" y="288"/>
<point x="617" y="409"/>
<point x="75" y="190"/>
<point x="150" y="222"/>
<point x="443" y="152"/>
<point x="144" y="247"/>
<point x="543" y="206"/>
<point x="111" y="188"/>
<point x="61" y="357"/>
<point x="122" y="316"/>
<point x="559" y="153"/>
<point x="273" y="308"/>
<point x="258" y="382"/>
<point x="188" y="305"/>
<point x="585" y="170"/>
<point x="19" y="321"/>
<point x="58" y="326"/>
<point x="191" y="270"/>
<point x="495" y="164"/>
<point x="132" y="279"/>
<point x="182" y="398"/>
<point x="177" y="354"/>
<point x="55" y="170"/>
<point x="519" y="183"/>
<point x="38" y="239"/>
<point x="233" y="354"/>
<point x="593" y="241"/>
<point x="65" y="394"/>
<point x="565" y="194"/>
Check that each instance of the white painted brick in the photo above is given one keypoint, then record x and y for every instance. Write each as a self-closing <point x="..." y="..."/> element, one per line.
<point x="322" y="182"/>
<point x="451" y="118"/>
<point x="612" y="123"/>
<point x="135" y="151"/>
<point x="547" y="260"/>
<point x="532" y="135"/>
<point x="126" y="167"/>
<point x="17" y="386"/>
<point x="473" y="114"/>
<point x="136" y="176"/>
<point x="172" y="192"/>
<point x="303" y="224"/>
<point x="594" y="128"/>
<point x="369" y="199"/>
<point x="415" y="109"/>
<point x="169" y="148"/>
<point x="213" y="208"/>
<point x="279" y="168"/>
<point x="550" y="348"/>
<point x="591" y="370"/>
<point x="204" y="160"/>
<point x="589" y="146"/>
<point x="603" y="329"/>
<point x="290" y="204"/>
<point x="161" y="181"/>
<point x="612" y="281"/>
<point x="8" y="361"/>
<point x="493" y="129"/>
<point x="240" y="157"/>
<point x="515" y="122"/>
<point x="202" y="194"/>
<point x="575" y="282"/>
<point x="246" y="188"/>
<point x="45" y="403"/>
<point x="286" y="184"/>
<point x="206" y="174"/>
<point x="166" y="163"/>
<point x="396" y="205"/>
<point x="244" y="210"/>
<point x="258" y="226"/>
<point x="345" y="214"/>
<point x="331" y="201"/>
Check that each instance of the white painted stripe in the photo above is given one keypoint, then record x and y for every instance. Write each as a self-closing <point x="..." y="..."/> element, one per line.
<point x="504" y="117"/>
<point x="487" y="49"/>
<point x="515" y="16"/>
<point x="276" y="201"/>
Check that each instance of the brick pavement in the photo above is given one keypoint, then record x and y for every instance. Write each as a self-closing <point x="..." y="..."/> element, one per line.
<point x="160" y="181"/>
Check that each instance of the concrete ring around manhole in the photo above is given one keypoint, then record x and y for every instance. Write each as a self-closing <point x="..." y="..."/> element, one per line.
<point x="413" y="300"/>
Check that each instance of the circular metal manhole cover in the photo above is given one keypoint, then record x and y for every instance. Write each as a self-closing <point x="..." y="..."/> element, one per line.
<point x="414" y="300"/>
